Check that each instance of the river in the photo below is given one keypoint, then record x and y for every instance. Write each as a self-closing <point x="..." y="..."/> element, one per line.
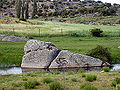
<point x="19" y="70"/>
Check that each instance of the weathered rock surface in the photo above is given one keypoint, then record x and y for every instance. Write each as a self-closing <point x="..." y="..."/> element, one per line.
<point x="11" y="38"/>
<point x="119" y="47"/>
<point x="39" y="54"/>
<point x="67" y="59"/>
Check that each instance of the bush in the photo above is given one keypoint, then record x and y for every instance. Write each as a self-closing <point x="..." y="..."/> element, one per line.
<point x="30" y="84"/>
<point x="96" y="32"/>
<point x="118" y="87"/>
<point x="101" y="53"/>
<point x="30" y="74"/>
<point x="87" y="86"/>
<point x="90" y="87"/>
<point x="91" y="78"/>
<point x="83" y="75"/>
<point x="55" y="86"/>
<point x="47" y="80"/>
<point x="106" y="69"/>
<point x="119" y="71"/>
<point x="115" y="81"/>
<point x="24" y="78"/>
<point x="74" y="79"/>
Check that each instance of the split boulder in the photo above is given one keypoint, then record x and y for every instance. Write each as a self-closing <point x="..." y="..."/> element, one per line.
<point x="67" y="59"/>
<point x="39" y="54"/>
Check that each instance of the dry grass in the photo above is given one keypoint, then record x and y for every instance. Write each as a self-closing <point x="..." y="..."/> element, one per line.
<point x="103" y="81"/>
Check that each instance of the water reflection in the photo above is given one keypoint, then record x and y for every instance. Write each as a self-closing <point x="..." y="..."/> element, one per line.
<point x="19" y="70"/>
<point x="13" y="70"/>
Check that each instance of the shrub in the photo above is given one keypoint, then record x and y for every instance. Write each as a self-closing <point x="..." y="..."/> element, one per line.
<point x="115" y="81"/>
<point x="91" y="78"/>
<point x="83" y="75"/>
<point x="55" y="86"/>
<point x="30" y="84"/>
<point x="106" y="69"/>
<point x="47" y="80"/>
<point x="101" y="53"/>
<point x="24" y="78"/>
<point x="96" y="32"/>
<point x="87" y="86"/>
<point x="90" y="87"/>
<point x="74" y="79"/>
<point x="119" y="71"/>
<point x="17" y="84"/>
<point x="118" y="87"/>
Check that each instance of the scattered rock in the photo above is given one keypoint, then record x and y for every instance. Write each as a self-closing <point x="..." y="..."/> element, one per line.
<point x="11" y="38"/>
<point x="119" y="47"/>
<point x="39" y="54"/>
<point x="66" y="59"/>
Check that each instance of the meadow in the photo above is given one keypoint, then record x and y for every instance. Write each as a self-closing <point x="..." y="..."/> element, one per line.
<point x="73" y="37"/>
<point x="67" y="81"/>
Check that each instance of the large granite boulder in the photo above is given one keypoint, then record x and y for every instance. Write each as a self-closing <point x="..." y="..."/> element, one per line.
<point x="39" y="54"/>
<point x="11" y="38"/>
<point x="66" y="59"/>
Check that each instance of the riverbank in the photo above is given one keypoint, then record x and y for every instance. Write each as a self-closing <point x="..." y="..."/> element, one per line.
<point x="68" y="81"/>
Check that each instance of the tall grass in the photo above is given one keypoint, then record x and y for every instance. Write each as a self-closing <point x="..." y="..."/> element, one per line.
<point x="57" y="29"/>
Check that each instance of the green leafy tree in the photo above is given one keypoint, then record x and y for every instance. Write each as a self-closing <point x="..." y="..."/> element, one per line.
<point x="23" y="9"/>
<point x="34" y="9"/>
<point x="26" y="10"/>
<point x="18" y="8"/>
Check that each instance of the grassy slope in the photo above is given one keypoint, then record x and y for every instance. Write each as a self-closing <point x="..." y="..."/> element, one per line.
<point x="53" y="28"/>
<point x="15" y="82"/>
<point x="13" y="51"/>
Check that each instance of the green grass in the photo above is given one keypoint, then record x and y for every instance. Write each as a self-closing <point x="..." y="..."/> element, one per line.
<point x="73" y="37"/>
<point x="12" y="52"/>
<point x="56" y="29"/>
<point x="15" y="82"/>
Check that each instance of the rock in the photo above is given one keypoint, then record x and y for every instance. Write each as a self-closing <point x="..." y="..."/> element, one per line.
<point x="66" y="59"/>
<point x="2" y="36"/>
<point x="39" y="54"/>
<point x="11" y="38"/>
<point x="119" y="47"/>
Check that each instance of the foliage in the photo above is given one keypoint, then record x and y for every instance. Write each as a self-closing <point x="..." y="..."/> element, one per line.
<point x="101" y="53"/>
<point x="96" y="32"/>
<point x="91" y="78"/>
<point x="83" y="75"/>
<point x="55" y="86"/>
<point x="106" y="69"/>
<point x="117" y="87"/>
<point x="34" y="12"/>
<point x="87" y="86"/>
<point x="47" y="80"/>
<point x="18" y="8"/>
<point x="74" y="79"/>
<point x="26" y="10"/>
<point x="24" y="78"/>
<point x="115" y="82"/>
<point x="30" y="84"/>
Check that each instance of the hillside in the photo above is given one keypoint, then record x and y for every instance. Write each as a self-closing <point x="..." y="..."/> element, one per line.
<point x="64" y="9"/>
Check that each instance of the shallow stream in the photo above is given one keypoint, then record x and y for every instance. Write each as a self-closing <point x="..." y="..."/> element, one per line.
<point x="19" y="70"/>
